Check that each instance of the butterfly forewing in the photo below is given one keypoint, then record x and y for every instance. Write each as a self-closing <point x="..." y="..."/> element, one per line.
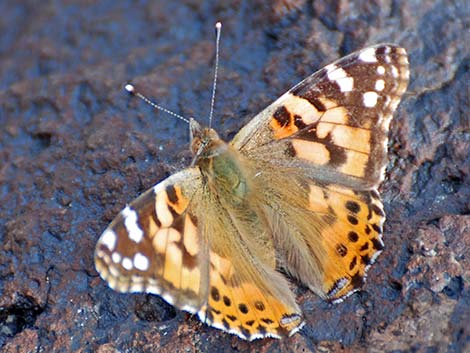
<point x="154" y="245"/>
<point x="335" y="121"/>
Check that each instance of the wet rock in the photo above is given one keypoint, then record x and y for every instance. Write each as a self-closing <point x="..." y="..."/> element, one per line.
<point x="75" y="148"/>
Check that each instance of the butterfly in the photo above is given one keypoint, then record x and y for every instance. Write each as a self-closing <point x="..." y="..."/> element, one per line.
<point x="294" y="193"/>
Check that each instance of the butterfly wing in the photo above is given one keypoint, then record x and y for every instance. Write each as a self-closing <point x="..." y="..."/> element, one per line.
<point x="329" y="134"/>
<point x="326" y="235"/>
<point x="247" y="296"/>
<point x="335" y="122"/>
<point x="178" y="241"/>
<point x="154" y="245"/>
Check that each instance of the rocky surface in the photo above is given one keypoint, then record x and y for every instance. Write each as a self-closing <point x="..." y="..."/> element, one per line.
<point x="74" y="148"/>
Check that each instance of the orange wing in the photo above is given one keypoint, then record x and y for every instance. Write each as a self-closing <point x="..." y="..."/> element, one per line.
<point x="325" y="143"/>
<point x="154" y="245"/>
<point x="334" y="124"/>
<point x="174" y="242"/>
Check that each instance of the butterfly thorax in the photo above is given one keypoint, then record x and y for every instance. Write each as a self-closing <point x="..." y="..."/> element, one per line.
<point x="224" y="169"/>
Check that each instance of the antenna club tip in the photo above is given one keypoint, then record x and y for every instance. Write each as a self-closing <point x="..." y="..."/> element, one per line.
<point x="218" y="25"/>
<point x="129" y="88"/>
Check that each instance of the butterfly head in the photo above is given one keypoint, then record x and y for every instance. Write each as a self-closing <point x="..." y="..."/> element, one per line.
<point x="205" y="142"/>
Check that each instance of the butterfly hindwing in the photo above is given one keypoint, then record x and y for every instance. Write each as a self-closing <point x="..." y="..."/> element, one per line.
<point x="247" y="296"/>
<point x="351" y="235"/>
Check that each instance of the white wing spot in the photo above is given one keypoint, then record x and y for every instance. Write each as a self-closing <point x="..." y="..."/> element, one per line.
<point x="368" y="55"/>
<point x="189" y="308"/>
<point x="169" y="299"/>
<point x="153" y="289"/>
<point x="116" y="257"/>
<point x="130" y="221"/>
<point x="202" y="315"/>
<point x="141" y="262"/>
<point x="288" y="320"/>
<point x="330" y="67"/>
<point x="394" y="104"/>
<point x="386" y="126"/>
<point x="370" y="99"/>
<point x="109" y="239"/>
<point x="374" y="257"/>
<point x="346" y="84"/>
<point x="379" y="85"/>
<point x="406" y="74"/>
<point x="394" y="71"/>
<point x="127" y="263"/>
<point x="341" y="77"/>
<point x="380" y="70"/>
<point x="136" y="287"/>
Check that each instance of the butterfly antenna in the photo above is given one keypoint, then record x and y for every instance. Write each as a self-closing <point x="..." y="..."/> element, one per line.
<point x="131" y="89"/>
<point x="218" y="28"/>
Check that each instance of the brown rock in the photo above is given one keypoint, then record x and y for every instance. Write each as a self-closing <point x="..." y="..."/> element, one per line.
<point x="74" y="149"/>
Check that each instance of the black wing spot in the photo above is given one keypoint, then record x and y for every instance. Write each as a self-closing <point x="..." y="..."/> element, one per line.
<point x="290" y="150"/>
<point x="243" y="308"/>
<point x="259" y="306"/>
<point x="215" y="294"/>
<point x="375" y="194"/>
<point x="353" y="263"/>
<point x="357" y="280"/>
<point x="353" y="220"/>
<point x="377" y="228"/>
<point x="244" y="331"/>
<point x="227" y="301"/>
<point x="353" y="237"/>
<point x="341" y="250"/>
<point x="309" y="95"/>
<point x="337" y="154"/>
<point x="267" y="321"/>
<point x="377" y="210"/>
<point x="366" y="259"/>
<point x="299" y="122"/>
<point x="377" y="244"/>
<point x="353" y="206"/>
<point x="171" y="193"/>
<point x="215" y="311"/>
<point x="262" y="330"/>
<point x="282" y="116"/>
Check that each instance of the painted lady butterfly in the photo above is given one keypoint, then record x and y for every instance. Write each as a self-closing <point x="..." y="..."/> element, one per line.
<point x="295" y="190"/>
